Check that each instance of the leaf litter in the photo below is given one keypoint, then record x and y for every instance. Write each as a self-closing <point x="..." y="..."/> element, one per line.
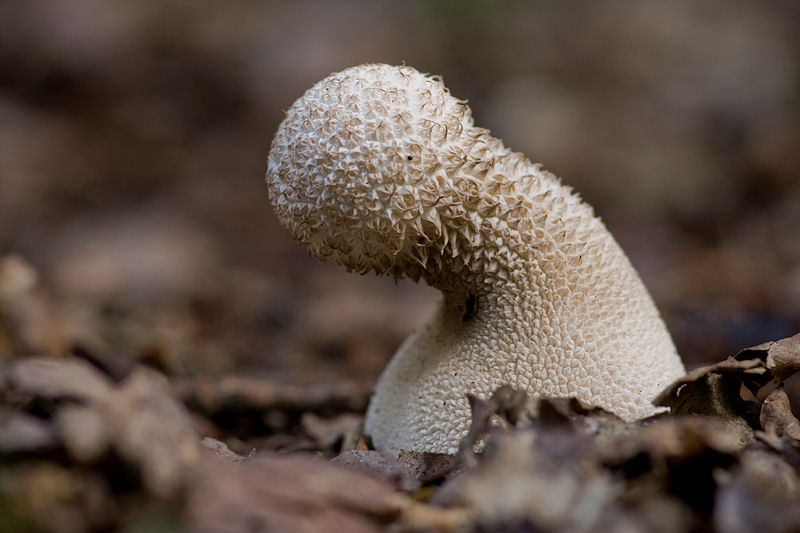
<point x="95" y="441"/>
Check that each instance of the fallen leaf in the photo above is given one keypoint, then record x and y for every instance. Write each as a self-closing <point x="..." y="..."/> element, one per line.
<point x="59" y="378"/>
<point x="21" y="432"/>
<point x="139" y="419"/>
<point x="327" y="432"/>
<point x="762" y="494"/>
<point x="85" y="432"/>
<point x="716" y="390"/>
<point x="397" y="471"/>
<point x="212" y="396"/>
<point x="678" y="437"/>
<point x="17" y="277"/>
<point x="777" y="420"/>
<point x="518" y="481"/>
<point x="783" y="357"/>
<point x="288" y="493"/>
<point x="152" y="429"/>
<point x="505" y="404"/>
<point x="428" y="467"/>
<point x="222" y="450"/>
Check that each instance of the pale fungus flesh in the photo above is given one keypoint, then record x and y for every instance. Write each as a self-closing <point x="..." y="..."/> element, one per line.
<point x="379" y="168"/>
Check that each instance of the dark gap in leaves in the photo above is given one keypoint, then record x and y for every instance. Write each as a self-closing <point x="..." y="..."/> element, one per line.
<point x="693" y="479"/>
<point x="637" y="465"/>
<point x="115" y="366"/>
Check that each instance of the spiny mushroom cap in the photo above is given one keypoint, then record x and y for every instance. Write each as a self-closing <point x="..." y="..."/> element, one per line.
<point x="380" y="168"/>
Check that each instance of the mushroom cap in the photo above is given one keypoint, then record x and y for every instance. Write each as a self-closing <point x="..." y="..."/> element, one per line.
<point x="360" y="170"/>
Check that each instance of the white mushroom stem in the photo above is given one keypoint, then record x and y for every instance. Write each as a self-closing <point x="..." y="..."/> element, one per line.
<point x="380" y="168"/>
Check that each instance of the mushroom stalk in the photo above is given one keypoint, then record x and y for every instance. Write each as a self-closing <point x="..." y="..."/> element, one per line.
<point x="379" y="168"/>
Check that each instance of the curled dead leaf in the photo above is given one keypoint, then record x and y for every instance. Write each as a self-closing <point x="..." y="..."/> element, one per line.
<point x="728" y="390"/>
<point x="777" y="420"/>
<point x="783" y="357"/>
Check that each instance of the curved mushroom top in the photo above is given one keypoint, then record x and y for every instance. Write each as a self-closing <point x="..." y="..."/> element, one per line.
<point x="379" y="168"/>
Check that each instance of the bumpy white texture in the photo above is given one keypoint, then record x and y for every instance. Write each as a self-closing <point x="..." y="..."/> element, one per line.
<point x="379" y="168"/>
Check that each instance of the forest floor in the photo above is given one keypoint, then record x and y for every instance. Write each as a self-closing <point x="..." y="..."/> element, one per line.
<point x="97" y="440"/>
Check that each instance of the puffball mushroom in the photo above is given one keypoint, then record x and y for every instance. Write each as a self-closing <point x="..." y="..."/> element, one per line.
<point x="379" y="168"/>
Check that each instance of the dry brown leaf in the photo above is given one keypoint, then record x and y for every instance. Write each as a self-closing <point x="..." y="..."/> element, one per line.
<point x="327" y="432"/>
<point x="519" y="481"/>
<point x="21" y="432"/>
<point x="506" y="404"/>
<point x="288" y="493"/>
<point x="783" y="357"/>
<point x="62" y="378"/>
<point x="754" y="352"/>
<point x="17" y="277"/>
<point x="397" y="471"/>
<point x="777" y="420"/>
<point x="85" y="432"/>
<point x="566" y="471"/>
<point x="153" y="430"/>
<point x="762" y="494"/>
<point x="592" y="422"/>
<point x="236" y="393"/>
<point x="716" y="390"/>
<point x="222" y="450"/>
<point x="679" y="438"/>
<point x="428" y="467"/>
<point x="302" y="494"/>
<point x="139" y="419"/>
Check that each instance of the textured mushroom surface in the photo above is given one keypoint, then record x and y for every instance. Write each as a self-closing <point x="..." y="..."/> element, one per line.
<point x="379" y="168"/>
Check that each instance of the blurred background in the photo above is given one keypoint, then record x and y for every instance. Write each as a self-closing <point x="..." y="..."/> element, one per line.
<point x="133" y="139"/>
